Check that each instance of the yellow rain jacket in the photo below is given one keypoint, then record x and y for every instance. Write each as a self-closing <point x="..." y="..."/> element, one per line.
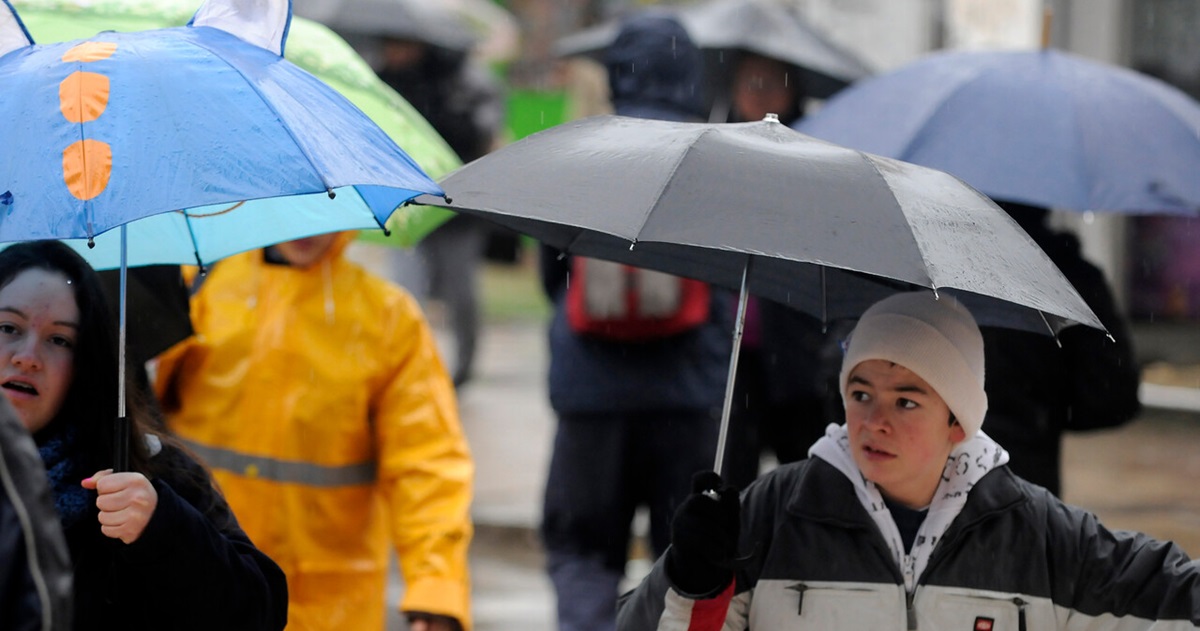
<point x="318" y="399"/>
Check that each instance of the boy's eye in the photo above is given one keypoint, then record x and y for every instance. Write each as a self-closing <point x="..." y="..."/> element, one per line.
<point x="907" y="404"/>
<point x="859" y="395"/>
<point x="7" y="328"/>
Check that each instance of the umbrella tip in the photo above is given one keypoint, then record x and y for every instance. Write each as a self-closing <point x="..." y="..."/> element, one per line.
<point x="330" y="192"/>
<point x="91" y="243"/>
<point x="6" y="198"/>
<point x="771" y="118"/>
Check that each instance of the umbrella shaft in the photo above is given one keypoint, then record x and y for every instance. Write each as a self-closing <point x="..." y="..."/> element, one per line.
<point x="121" y="429"/>
<point x="738" y="325"/>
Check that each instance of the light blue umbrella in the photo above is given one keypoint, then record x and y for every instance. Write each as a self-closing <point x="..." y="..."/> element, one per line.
<point x="202" y="139"/>
<point x="195" y="124"/>
<point x="1040" y="127"/>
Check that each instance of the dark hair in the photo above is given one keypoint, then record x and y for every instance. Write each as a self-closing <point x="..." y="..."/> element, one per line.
<point x="91" y="401"/>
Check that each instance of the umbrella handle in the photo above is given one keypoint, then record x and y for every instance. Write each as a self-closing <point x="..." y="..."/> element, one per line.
<point x="121" y="444"/>
<point x="738" y="326"/>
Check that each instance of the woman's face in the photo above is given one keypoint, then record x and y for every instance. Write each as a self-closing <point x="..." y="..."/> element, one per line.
<point x="39" y="326"/>
<point x="900" y="431"/>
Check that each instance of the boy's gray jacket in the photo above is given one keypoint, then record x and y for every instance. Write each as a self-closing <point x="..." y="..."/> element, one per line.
<point x="1016" y="558"/>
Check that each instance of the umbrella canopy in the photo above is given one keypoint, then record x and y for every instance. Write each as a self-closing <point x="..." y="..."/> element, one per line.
<point x="194" y="130"/>
<point x="1039" y="127"/>
<point x="760" y="207"/>
<point x="479" y="26"/>
<point x="723" y="27"/>
<point x="825" y="229"/>
<point x="203" y="137"/>
<point x="312" y="47"/>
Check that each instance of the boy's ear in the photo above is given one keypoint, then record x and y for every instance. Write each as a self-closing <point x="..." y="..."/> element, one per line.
<point x="957" y="433"/>
<point x="264" y="23"/>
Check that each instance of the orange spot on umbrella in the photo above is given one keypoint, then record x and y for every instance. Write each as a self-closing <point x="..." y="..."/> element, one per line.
<point x="83" y="96"/>
<point x="87" y="165"/>
<point x="90" y="51"/>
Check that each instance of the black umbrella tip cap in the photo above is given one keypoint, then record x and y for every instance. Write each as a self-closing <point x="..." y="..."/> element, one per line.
<point x="6" y="198"/>
<point x="330" y="192"/>
<point x="91" y="243"/>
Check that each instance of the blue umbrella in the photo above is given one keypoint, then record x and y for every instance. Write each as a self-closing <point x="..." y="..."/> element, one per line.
<point x="201" y="139"/>
<point x="1040" y="127"/>
<point x="192" y="123"/>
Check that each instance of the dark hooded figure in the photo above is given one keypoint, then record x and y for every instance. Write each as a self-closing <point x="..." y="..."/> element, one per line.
<point x="1040" y="387"/>
<point x="635" y="419"/>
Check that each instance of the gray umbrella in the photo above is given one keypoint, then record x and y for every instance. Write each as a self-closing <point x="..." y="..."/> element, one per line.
<point x="723" y="27"/>
<point x="767" y="210"/>
<point x="417" y="20"/>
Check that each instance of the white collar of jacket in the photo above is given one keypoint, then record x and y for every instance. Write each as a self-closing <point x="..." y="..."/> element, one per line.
<point x="969" y="461"/>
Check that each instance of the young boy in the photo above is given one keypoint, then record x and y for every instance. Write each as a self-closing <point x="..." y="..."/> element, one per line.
<point x="907" y="517"/>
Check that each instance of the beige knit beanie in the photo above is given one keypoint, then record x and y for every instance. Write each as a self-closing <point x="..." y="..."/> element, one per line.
<point x="936" y="338"/>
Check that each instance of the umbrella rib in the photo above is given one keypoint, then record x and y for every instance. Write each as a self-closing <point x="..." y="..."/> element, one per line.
<point x="667" y="180"/>
<point x="187" y="221"/>
<point x="943" y="103"/>
<point x="267" y="103"/>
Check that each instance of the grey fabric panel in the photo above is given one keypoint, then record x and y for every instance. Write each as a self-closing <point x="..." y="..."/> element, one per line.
<point x="23" y="482"/>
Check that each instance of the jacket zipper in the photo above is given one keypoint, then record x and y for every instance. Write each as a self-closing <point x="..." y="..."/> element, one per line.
<point x="801" y="588"/>
<point x="1020" y="613"/>
<point x="912" y="613"/>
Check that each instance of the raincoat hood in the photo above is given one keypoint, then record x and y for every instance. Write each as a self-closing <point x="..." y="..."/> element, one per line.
<point x="655" y="70"/>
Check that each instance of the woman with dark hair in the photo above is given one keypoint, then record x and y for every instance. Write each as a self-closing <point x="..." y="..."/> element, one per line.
<point x="154" y="547"/>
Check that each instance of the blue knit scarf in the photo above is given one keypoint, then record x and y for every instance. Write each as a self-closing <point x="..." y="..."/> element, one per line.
<point x="70" y="499"/>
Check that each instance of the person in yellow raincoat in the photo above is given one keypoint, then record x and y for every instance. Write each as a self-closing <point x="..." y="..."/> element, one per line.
<point x="315" y="392"/>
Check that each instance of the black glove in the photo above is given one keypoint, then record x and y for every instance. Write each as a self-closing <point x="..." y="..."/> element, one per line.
<point x="704" y="537"/>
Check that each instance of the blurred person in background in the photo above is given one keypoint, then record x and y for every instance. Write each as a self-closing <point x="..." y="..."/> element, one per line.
<point x="636" y="418"/>
<point x="315" y="392"/>
<point x="465" y="105"/>
<point x="1042" y="387"/>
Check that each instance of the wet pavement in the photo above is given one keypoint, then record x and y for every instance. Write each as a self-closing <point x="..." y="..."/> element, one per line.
<point x="1142" y="476"/>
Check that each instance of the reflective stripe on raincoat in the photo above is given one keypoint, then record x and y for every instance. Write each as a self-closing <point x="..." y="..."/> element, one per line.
<point x="318" y="398"/>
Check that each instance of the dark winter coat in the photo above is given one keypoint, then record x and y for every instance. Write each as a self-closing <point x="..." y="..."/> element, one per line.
<point x="192" y="567"/>
<point x="1014" y="558"/>
<point x="1037" y="390"/>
